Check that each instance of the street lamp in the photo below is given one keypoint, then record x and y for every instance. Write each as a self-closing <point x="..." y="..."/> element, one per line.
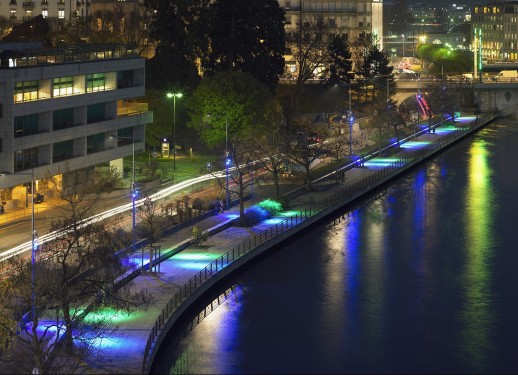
<point x="403" y="36"/>
<point x="34" y="246"/>
<point x="133" y="191"/>
<point x="174" y="96"/>
<point x="227" y="160"/>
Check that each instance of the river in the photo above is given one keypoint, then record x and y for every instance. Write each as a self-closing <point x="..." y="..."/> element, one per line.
<point x="421" y="278"/>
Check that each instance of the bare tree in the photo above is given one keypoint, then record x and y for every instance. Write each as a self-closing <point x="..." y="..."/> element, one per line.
<point x="300" y="149"/>
<point x="269" y="147"/>
<point x="308" y="47"/>
<point x="77" y="271"/>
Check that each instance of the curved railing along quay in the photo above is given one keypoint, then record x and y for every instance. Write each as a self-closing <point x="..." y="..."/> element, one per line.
<point x="289" y="226"/>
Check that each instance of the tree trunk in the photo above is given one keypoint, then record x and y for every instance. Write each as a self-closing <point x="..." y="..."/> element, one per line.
<point x="69" y="342"/>
<point x="308" y="177"/>
<point x="276" y="183"/>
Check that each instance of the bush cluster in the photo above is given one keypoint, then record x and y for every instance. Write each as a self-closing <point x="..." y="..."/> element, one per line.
<point x="262" y="211"/>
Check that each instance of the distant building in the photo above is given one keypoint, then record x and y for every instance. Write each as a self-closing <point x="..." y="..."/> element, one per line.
<point x="67" y="109"/>
<point x="348" y="18"/>
<point x="496" y="27"/>
<point x="20" y="11"/>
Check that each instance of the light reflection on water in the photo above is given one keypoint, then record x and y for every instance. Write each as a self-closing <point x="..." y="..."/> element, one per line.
<point x="421" y="279"/>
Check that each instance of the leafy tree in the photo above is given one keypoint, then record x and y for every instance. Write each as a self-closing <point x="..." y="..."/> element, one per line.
<point x="248" y="36"/>
<point x="377" y="71"/>
<point x="225" y="109"/>
<point x="309" y="50"/>
<point x="180" y="29"/>
<point x="340" y="69"/>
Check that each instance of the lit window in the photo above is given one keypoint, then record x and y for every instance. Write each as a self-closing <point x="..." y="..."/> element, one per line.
<point x="45" y="13"/>
<point x="25" y="91"/>
<point x="61" y="14"/>
<point x="63" y="86"/>
<point x="95" y="82"/>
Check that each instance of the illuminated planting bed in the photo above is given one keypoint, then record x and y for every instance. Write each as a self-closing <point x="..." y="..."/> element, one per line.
<point x="380" y="162"/>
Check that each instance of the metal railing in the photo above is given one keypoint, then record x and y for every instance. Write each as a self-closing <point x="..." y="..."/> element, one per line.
<point x="214" y="267"/>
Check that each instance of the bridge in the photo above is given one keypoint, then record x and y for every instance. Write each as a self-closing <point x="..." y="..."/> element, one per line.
<point x="489" y="96"/>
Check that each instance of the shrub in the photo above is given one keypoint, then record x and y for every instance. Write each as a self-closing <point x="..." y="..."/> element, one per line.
<point x="273" y="207"/>
<point x="254" y="215"/>
<point x="198" y="236"/>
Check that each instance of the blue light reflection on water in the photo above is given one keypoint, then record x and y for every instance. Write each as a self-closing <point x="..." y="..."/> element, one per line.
<point x="428" y="288"/>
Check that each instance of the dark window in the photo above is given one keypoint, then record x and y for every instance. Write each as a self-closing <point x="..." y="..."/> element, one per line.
<point x="124" y="137"/>
<point x="62" y="151"/>
<point x="94" y="143"/>
<point x="125" y="79"/>
<point x="62" y="119"/>
<point x="25" y="159"/>
<point x="95" y="113"/>
<point x="25" y="125"/>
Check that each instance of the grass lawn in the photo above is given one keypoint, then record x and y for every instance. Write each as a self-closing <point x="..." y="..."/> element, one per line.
<point x="186" y="166"/>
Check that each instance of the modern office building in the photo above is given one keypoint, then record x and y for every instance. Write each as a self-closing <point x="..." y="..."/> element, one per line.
<point x="67" y="109"/>
<point x="495" y="26"/>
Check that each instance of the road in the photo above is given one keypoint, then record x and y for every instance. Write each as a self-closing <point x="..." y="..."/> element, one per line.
<point x="16" y="237"/>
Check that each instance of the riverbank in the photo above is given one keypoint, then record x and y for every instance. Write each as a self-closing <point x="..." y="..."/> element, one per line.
<point x="186" y="275"/>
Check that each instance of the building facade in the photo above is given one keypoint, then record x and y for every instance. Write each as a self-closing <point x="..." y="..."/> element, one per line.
<point x="18" y="11"/>
<point x="496" y="28"/>
<point x="348" y="18"/>
<point x="67" y="109"/>
<point x="344" y="17"/>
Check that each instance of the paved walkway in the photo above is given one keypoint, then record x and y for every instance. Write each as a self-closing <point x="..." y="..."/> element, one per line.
<point x="123" y="351"/>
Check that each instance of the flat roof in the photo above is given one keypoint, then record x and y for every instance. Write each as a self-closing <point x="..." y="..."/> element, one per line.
<point x="16" y="57"/>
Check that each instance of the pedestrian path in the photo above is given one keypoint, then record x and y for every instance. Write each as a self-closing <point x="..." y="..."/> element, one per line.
<point x="124" y="351"/>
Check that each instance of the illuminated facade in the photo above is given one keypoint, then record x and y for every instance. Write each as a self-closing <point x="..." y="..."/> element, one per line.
<point x="18" y="11"/>
<point x="497" y="25"/>
<point x="68" y="109"/>
<point x="348" y="18"/>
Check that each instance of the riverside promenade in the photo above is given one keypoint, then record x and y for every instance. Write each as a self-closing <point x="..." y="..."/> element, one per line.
<point x="183" y="277"/>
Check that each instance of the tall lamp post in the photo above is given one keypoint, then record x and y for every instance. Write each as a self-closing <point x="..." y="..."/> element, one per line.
<point x="133" y="191"/>
<point x="174" y="96"/>
<point x="34" y="246"/>
<point x="403" y="36"/>
<point x="351" y="120"/>
<point x="227" y="162"/>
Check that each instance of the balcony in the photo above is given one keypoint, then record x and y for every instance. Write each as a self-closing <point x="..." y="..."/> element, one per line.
<point x="44" y="4"/>
<point x="131" y="109"/>
<point x="12" y="3"/>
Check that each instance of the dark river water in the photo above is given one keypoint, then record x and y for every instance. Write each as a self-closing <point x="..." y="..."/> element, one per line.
<point x="422" y="278"/>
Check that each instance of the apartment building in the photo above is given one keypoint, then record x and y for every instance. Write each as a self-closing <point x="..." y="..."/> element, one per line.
<point x="348" y="18"/>
<point x="344" y="17"/>
<point x="18" y="11"/>
<point x="495" y="26"/>
<point x="67" y="109"/>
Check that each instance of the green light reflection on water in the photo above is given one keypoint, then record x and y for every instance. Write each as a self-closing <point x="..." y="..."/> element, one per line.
<point x="478" y="316"/>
